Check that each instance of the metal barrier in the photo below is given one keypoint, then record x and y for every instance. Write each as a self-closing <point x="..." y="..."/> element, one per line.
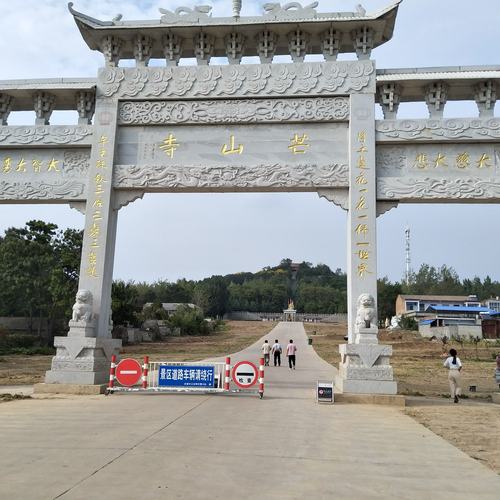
<point x="179" y="376"/>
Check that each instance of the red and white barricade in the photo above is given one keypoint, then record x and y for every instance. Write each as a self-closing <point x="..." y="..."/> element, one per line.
<point x="173" y="376"/>
<point x="261" y="378"/>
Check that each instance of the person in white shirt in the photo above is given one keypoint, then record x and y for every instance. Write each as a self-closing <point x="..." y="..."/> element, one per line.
<point x="277" y="350"/>
<point x="454" y="366"/>
<point x="266" y="349"/>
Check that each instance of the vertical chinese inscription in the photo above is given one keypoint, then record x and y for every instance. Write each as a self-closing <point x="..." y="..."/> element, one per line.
<point x="98" y="181"/>
<point x="362" y="228"/>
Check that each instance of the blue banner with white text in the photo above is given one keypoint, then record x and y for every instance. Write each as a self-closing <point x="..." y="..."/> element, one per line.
<point x="186" y="376"/>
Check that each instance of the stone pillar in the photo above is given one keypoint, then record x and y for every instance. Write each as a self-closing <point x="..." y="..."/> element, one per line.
<point x="485" y="95"/>
<point x="5" y="107"/>
<point x="43" y="105"/>
<point x="96" y="267"/>
<point x="85" y="106"/>
<point x="436" y="95"/>
<point x="362" y="210"/>
<point x="389" y="98"/>
<point x="364" y="366"/>
<point x="83" y="356"/>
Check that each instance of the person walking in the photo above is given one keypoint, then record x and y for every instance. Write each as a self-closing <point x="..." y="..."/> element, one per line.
<point x="277" y="350"/>
<point x="454" y="366"/>
<point x="291" y="349"/>
<point x="266" y="350"/>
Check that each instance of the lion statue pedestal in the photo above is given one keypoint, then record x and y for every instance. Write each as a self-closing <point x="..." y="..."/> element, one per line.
<point x="365" y="365"/>
<point x="81" y="357"/>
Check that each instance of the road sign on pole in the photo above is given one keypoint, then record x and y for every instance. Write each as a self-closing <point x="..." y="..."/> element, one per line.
<point x="128" y="372"/>
<point x="244" y="374"/>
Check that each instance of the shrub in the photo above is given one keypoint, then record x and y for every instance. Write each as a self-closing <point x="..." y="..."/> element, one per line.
<point x="408" y="323"/>
<point x="14" y="340"/>
<point x="29" y="351"/>
<point x="20" y="343"/>
<point x="189" y="321"/>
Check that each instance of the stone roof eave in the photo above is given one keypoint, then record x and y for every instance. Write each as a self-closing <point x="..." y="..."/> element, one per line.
<point x="382" y="21"/>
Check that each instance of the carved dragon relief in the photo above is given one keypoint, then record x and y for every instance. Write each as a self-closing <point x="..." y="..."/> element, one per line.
<point x="229" y="177"/>
<point x="46" y="134"/>
<point x="242" y="80"/>
<point x="425" y="130"/>
<point x="76" y="163"/>
<point x="290" y="10"/>
<point x="59" y="190"/>
<point x="421" y="189"/>
<point x="186" y="14"/>
<point x="234" y="111"/>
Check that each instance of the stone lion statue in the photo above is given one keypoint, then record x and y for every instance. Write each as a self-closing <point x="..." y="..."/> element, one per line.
<point x="82" y="309"/>
<point x="366" y="315"/>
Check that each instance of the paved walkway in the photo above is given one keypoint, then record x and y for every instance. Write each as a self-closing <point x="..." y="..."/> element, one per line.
<point x="203" y="447"/>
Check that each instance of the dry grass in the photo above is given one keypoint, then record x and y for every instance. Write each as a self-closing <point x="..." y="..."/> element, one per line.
<point x="26" y="370"/>
<point x="16" y="369"/>
<point x="236" y="336"/>
<point x="326" y="339"/>
<point x="418" y="362"/>
<point x="418" y="365"/>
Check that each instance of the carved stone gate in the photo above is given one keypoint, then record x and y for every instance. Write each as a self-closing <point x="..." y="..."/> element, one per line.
<point x="300" y="126"/>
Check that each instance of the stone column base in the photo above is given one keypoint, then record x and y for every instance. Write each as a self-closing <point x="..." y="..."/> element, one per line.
<point x="78" y="389"/>
<point x="82" y="360"/>
<point x="365" y="386"/>
<point x="365" y="369"/>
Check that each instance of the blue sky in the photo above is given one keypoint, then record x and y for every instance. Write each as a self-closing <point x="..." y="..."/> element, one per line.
<point x="193" y="236"/>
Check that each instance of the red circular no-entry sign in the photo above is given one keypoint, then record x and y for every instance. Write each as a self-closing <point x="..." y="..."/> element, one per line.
<point x="128" y="372"/>
<point x="244" y="374"/>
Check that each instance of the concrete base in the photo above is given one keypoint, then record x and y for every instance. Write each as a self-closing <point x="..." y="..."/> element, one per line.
<point x="79" y="389"/>
<point x="371" y="399"/>
<point x="366" y="386"/>
<point x="365" y="366"/>
<point x="82" y="360"/>
<point x="69" y="377"/>
<point x="81" y="329"/>
<point x="495" y="397"/>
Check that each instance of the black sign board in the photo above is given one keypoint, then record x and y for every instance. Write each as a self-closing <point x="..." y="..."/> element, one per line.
<point x="324" y="392"/>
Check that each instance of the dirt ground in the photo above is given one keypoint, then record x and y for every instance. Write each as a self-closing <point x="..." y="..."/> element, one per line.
<point x="418" y="362"/>
<point x="474" y="424"/>
<point x="26" y="370"/>
<point x="473" y="427"/>
<point x="236" y="336"/>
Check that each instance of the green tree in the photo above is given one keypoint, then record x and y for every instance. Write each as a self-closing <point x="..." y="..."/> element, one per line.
<point x="211" y="295"/>
<point x="387" y="293"/>
<point x="39" y="272"/>
<point x="124" y="303"/>
<point x="190" y="321"/>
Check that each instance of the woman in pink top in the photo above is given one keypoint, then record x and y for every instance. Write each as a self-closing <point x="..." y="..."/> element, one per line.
<point x="291" y="349"/>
